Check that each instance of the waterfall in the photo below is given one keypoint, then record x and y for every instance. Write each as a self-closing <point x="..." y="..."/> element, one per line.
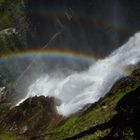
<point x="81" y="88"/>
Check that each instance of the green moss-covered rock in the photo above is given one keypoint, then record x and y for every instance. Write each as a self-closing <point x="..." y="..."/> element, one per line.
<point x="13" y="14"/>
<point x="13" y="37"/>
<point x="13" y="25"/>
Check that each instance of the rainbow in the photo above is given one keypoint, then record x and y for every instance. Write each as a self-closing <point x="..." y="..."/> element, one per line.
<point x="55" y="54"/>
<point x="43" y="53"/>
<point x="97" y="20"/>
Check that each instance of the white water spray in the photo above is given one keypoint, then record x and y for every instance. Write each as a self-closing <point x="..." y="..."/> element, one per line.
<point x="79" y="89"/>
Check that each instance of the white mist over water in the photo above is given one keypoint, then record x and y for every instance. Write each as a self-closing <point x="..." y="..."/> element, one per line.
<point x="81" y="88"/>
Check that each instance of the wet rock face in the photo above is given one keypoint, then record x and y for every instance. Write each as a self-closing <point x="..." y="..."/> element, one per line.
<point x="126" y="82"/>
<point x="32" y="116"/>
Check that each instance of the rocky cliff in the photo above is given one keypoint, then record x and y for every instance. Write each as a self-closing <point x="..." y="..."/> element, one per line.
<point x="13" y="33"/>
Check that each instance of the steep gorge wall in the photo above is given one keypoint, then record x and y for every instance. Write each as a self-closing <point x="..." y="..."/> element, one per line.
<point x="13" y="35"/>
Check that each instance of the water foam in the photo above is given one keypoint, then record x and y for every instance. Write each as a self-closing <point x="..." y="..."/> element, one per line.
<point x="78" y="89"/>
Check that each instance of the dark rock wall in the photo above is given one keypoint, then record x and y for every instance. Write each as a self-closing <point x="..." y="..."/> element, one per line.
<point x="91" y="26"/>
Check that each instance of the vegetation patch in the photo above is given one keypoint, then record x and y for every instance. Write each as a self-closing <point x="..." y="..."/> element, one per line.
<point x="7" y="136"/>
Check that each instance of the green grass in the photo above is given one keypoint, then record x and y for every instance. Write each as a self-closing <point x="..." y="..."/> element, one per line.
<point x="7" y="136"/>
<point x="98" y="134"/>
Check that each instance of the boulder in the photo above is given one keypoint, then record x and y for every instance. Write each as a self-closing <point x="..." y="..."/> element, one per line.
<point x="32" y="117"/>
